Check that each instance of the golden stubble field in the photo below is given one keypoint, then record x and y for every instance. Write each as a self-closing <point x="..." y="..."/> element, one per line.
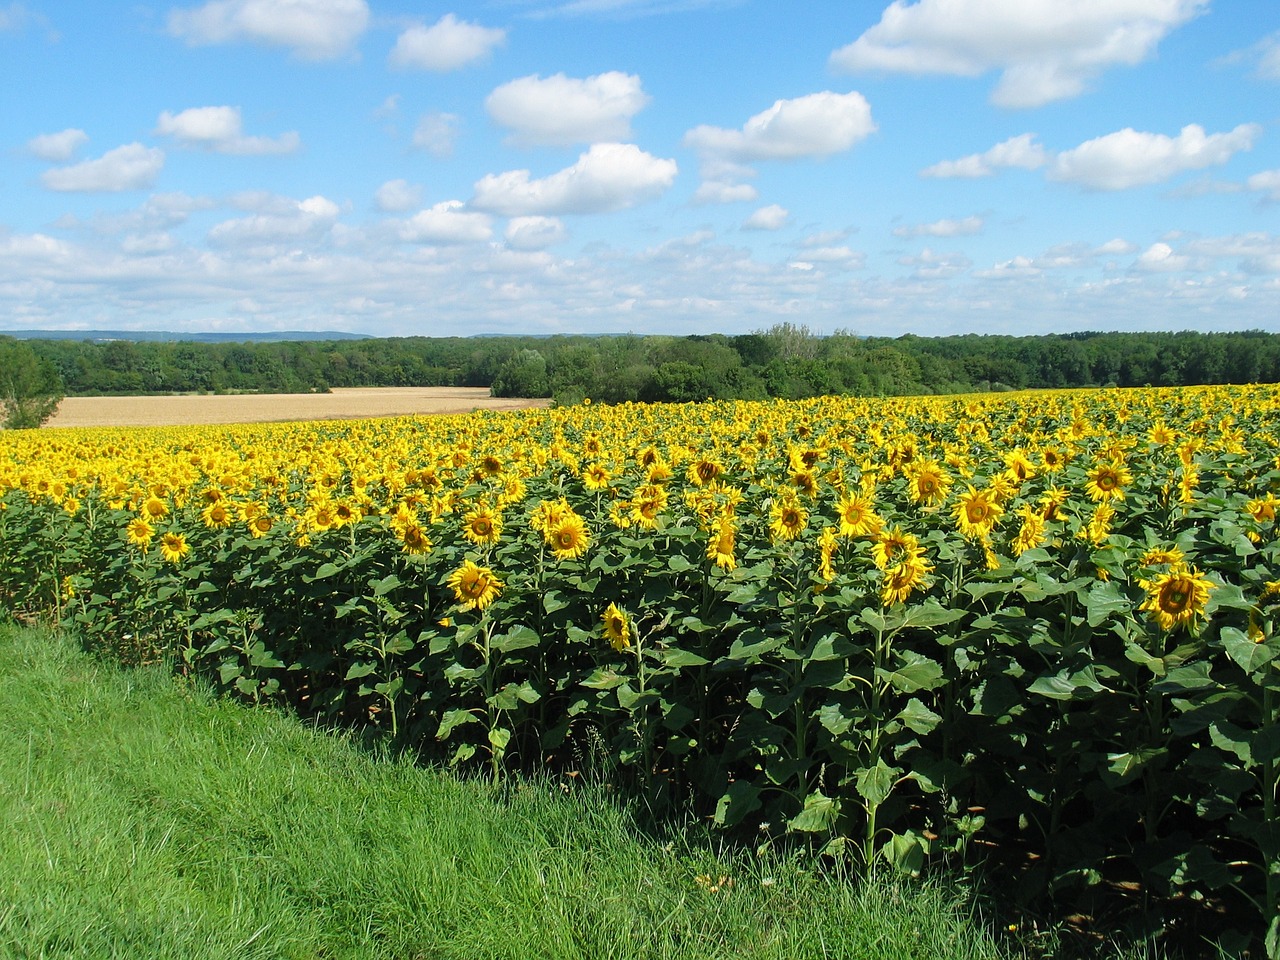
<point x="342" y="403"/>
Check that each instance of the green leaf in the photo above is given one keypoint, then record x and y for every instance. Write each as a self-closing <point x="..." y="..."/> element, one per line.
<point x="742" y="798"/>
<point x="676" y="659"/>
<point x="834" y="719"/>
<point x="604" y="678"/>
<point x="1229" y="738"/>
<point x="930" y="614"/>
<point x="1062" y="686"/>
<point x="918" y="718"/>
<point x="553" y="600"/>
<point x="1106" y="602"/>
<point x="361" y="668"/>
<point x="752" y="645"/>
<point x="915" y="672"/>
<point x="905" y="852"/>
<point x="517" y="638"/>
<point x="876" y="783"/>
<point x="326" y="570"/>
<point x="818" y="816"/>
<point x="385" y="585"/>
<point x="453" y="719"/>
<point x="499" y="737"/>
<point x="678" y="564"/>
<point x="1250" y="656"/>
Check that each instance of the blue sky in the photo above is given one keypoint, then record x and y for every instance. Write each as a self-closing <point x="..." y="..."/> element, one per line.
<point x="652" y="166"/>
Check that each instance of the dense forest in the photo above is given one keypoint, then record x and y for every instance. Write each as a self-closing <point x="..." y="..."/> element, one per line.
<point x="786" y="361"/>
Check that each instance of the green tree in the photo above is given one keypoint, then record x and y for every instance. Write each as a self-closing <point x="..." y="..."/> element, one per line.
<point x="30" y="388"/>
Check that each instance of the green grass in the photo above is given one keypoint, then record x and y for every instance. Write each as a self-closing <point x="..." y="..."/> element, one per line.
<point x="145" y="819"/>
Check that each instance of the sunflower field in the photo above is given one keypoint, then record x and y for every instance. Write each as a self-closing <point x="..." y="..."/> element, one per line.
<point x="1036" y="628"/>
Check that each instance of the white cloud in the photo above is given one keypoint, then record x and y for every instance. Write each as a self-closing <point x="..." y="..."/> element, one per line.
<point x="280" y="220"/>
<point x="1046" y="50"/>
<point x="1130" y="158"/>
<point x="59" y="146"/>
<point x="943" y="228"/>
<point x="772" y="217"/>
<point x="397" y="196"/>
<point x="131" y="167"/>
<point x="561" y="110"/>
<point x="220" y="129"/>
<point x="1020" y="151"/>
<point x="1269" y="57"/>
<point x="313" y="29"/>
<point x="1268" y="182"/>
<point x="436" y="133"/>
<point x="449" y="44"/>
<point x="535" y="233"/>
<point x="1019" y="268"/>
<point x="836" y="257"/>
<point x="717" y="191"/>
<point x="447" y="222"/>
<point x="929" y="265"/>
<point x="816" y="125"/>
<point x="1160" y="258"/>
<point x="1115" y="247"/>
<point x="609" y="176"/>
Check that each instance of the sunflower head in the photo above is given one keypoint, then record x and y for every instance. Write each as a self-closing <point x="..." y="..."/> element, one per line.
<point x="1176" y="598"/>
<point x="568" y="539"/>
<point x="474" y="587"/>
<point x="617" y="630"/>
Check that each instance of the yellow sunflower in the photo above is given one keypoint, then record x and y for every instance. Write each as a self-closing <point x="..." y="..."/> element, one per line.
<point x="482" y="526"/>
<point x="414" y="538"/>
<point x="1176" y="598"/>
<point x="927" y="481"/>
<point x="616" y="628"/>
<point x="894" y="548"/>
<point x="787" y="519"/>
<point x="1107" y="482"/>
<point x="568" y="539"/>
<point x="139" y="532"/>
<point x="901" y="580"/>
<point x="474" y="587"/>
<point x="976" y="513"/>
<point x="720" y="545"/>
<point x="857" y="517"/>
<point x="217" y="515"/>
<point x="260" y="525"/>
<point x="173" y="547"/>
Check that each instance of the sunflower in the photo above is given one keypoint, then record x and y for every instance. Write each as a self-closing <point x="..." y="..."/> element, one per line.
<point x="260" y="525"/>
<point x="1107" y="481"/>
<point x="474" y="587"/>
<point x="976" y="513"/>
<point x="153" y="508"/>
<point x="568" y="539"/>
<point x="596" y="477"/>
<point x="1263" y="509"/>
<point x="901" y="580"/>
<point x="415" y="539"/>
<point x="1161" y="557"/>
<point x="616" y="628"/>
<point x="1160" y="435"/>
<point x="646" y="505"/>
<point x="787" y="519"/>
<point x="173" y="547"/>
<point x="894" y="548"/>
<point x="704" y="471"/>
<point x="1176" y="598"/>
<point x="139" y="532"/>
<point x="217" y="515"/>
<point x="1032" y="532"/>
<point x="720" y="546"/>
<point x="857" y="518"/>
<point x="927" y="481"/>
<point x="482" y="526"/>
<point x="827" y="545"/>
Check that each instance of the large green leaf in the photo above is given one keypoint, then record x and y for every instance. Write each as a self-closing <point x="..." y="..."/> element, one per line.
<point x="818" y="816"/>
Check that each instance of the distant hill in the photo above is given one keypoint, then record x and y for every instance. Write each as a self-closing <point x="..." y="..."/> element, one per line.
<point x="166" y="336"/>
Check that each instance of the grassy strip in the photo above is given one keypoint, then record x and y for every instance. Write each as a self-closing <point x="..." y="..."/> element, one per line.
<point x="148" y="820"/>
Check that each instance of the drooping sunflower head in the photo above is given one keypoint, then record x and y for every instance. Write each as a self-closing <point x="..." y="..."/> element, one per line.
<point x="1176" y="598"/>
<point x="722" y="542"/>
<point x="617" y="630"/>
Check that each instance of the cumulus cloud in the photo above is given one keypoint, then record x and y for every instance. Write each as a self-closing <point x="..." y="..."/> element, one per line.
<point x="842" y="257"/>
<point x="1267" y="182"/>
<point x="561" y="110"/>
<point x="131" y="167"/>
<point x="312" y="29"/>
<point x="1115" y="247"/>
<point x="1045" y="50"/>
<point x="943" y="228"/>
<point x="436" y="133"/>
<point x="1018" y="268"/>
<point x="397" y="196"/>
<point x="609" y="176"/>
<point x="1020" y="151"/>
<point x="57" y="147"/>
<point x="220" y="129"/>
<point x="280" y="220"/>
<point x="534" y="233"/>
<point x="717" y="191"/>
<point x="1160" y="258"/>
<point x="447" y="222"/>
<point x="1130" y="158"/>
<point x="448" y="44"/>
<point x="772" y="217"/>
<point x="816" y="125"/>
<point x="930" y="265"/>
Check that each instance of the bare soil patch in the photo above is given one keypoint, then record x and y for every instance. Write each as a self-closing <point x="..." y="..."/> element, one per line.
<point x="342" y="403"/>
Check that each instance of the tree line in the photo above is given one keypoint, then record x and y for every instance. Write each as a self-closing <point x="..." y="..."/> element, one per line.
<point x="787" y="361"/>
